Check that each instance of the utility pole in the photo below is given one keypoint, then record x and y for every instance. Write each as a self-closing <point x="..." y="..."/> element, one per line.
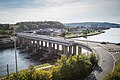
<point x="15" y="55"/>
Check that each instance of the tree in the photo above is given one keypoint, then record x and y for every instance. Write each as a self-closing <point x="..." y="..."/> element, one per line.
<point x="73" y="68"/>
<point x="76" y="67"/>
<point x="93" y="60"/>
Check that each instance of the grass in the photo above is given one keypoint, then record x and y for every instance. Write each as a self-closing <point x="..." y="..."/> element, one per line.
<point x="117" y="62"/>
<point x="38" y="66"/>
<point x="42" y="65"/>
<point x="81" y="34"/>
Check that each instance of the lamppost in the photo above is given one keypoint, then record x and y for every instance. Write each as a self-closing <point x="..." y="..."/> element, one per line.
<point x="15" y="54"/>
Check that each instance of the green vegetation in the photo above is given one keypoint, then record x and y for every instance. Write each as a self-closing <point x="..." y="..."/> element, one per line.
<point x="32" y="75"/>
<point x="42" y="65"/>
<point x="82" y="34"/>
<point x="35" y="67"/>
<point x="5" y="30"/>
<point x="27" y="26"/>
<point x="115" y="75"/>
<point x="75" y="67"/>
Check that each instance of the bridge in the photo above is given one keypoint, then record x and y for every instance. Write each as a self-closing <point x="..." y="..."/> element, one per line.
<point x="51" y="44"/>
<point x="108" y="53"/>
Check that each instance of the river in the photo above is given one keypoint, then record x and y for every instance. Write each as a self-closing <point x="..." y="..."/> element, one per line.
<point x="111" y="35"/>
<point x="7" y="55"/>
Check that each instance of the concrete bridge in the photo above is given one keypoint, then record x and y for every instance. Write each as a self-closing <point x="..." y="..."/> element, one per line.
<point x="51" y="44"/>
<point x="72" y="46"/>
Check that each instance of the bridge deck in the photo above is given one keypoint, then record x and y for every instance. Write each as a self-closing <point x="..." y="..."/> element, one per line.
<point x="55" y="40"/>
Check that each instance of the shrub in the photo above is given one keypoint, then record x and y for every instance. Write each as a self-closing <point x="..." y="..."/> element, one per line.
<point x="35" y="75"/>
<point x="75" y="67"/>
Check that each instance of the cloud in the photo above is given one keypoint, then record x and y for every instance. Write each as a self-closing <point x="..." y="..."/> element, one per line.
<point x="61" y="10"/>
<point x="14" y="4"/>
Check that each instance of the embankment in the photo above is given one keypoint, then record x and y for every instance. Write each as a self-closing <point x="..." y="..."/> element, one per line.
<point x="6" y="43"/>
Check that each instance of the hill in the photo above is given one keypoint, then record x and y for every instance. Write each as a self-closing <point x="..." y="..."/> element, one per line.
<point x="93" y="24"/>
<point x="25" y="26"/>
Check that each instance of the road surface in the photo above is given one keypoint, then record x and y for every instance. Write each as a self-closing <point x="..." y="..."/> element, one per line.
<point x="106" y="58"/>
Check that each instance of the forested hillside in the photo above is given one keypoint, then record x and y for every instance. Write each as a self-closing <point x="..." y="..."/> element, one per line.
<point x="5" y="29"/>
<point x="94" y="24"/>
<point x="26" y="26"/>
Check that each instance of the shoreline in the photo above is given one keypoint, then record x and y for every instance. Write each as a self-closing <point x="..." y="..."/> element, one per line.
<point x="6" y="43"/>
<point x="85" y="35"/>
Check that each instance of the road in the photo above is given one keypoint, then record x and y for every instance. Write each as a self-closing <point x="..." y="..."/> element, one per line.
<point x="106" y="58"/>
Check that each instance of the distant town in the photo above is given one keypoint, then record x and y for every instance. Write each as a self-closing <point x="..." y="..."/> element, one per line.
<point x="54" y="29"/>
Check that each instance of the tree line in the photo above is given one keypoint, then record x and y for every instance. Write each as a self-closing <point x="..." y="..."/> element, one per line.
<point x="27" y="26"/>
<point x="6" y="29"/>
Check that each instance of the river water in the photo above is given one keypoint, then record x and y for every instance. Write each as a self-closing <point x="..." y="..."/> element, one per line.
<point x="111" y="35"/>
<point x="7" y="55"/>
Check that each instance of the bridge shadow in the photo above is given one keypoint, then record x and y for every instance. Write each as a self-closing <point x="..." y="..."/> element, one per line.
<point x="98" y="69"/>
<point x="92" y="76"/>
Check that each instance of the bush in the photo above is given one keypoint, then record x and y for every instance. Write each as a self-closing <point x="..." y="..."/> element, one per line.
<point x="93" y="60"/>
<point x="75" y="67"/>
<point x="36" y="75"/>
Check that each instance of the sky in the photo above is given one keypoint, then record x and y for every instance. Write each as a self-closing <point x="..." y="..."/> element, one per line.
<point x="65" y="11"/>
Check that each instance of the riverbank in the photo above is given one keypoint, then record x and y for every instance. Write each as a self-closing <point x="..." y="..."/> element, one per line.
<point x="37" y="67"/>
<point x="83" y="35"/>
<point x="6" y="43"/>
<point x="111" y="35"/>
<point x="63" y="66"/>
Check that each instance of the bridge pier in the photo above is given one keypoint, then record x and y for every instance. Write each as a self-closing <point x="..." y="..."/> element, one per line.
<point x="33" y="43"/>
<point x="46" y="44"/>
<point x="70" y="50"/>
<point x="63" y="49"/>
<point x="53" y="48"/>
<point x="41" y="44"/>
<point x="57" y="47"/>
<point x="38" y="45"/>
<point x="74" y="49"/>
<point x="79" y="50"/>
<point x="50" y="47"/>
<point x="66" y="50"/>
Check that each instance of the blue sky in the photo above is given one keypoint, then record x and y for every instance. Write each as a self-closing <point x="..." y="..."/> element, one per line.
<point x="12" y="11"/>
